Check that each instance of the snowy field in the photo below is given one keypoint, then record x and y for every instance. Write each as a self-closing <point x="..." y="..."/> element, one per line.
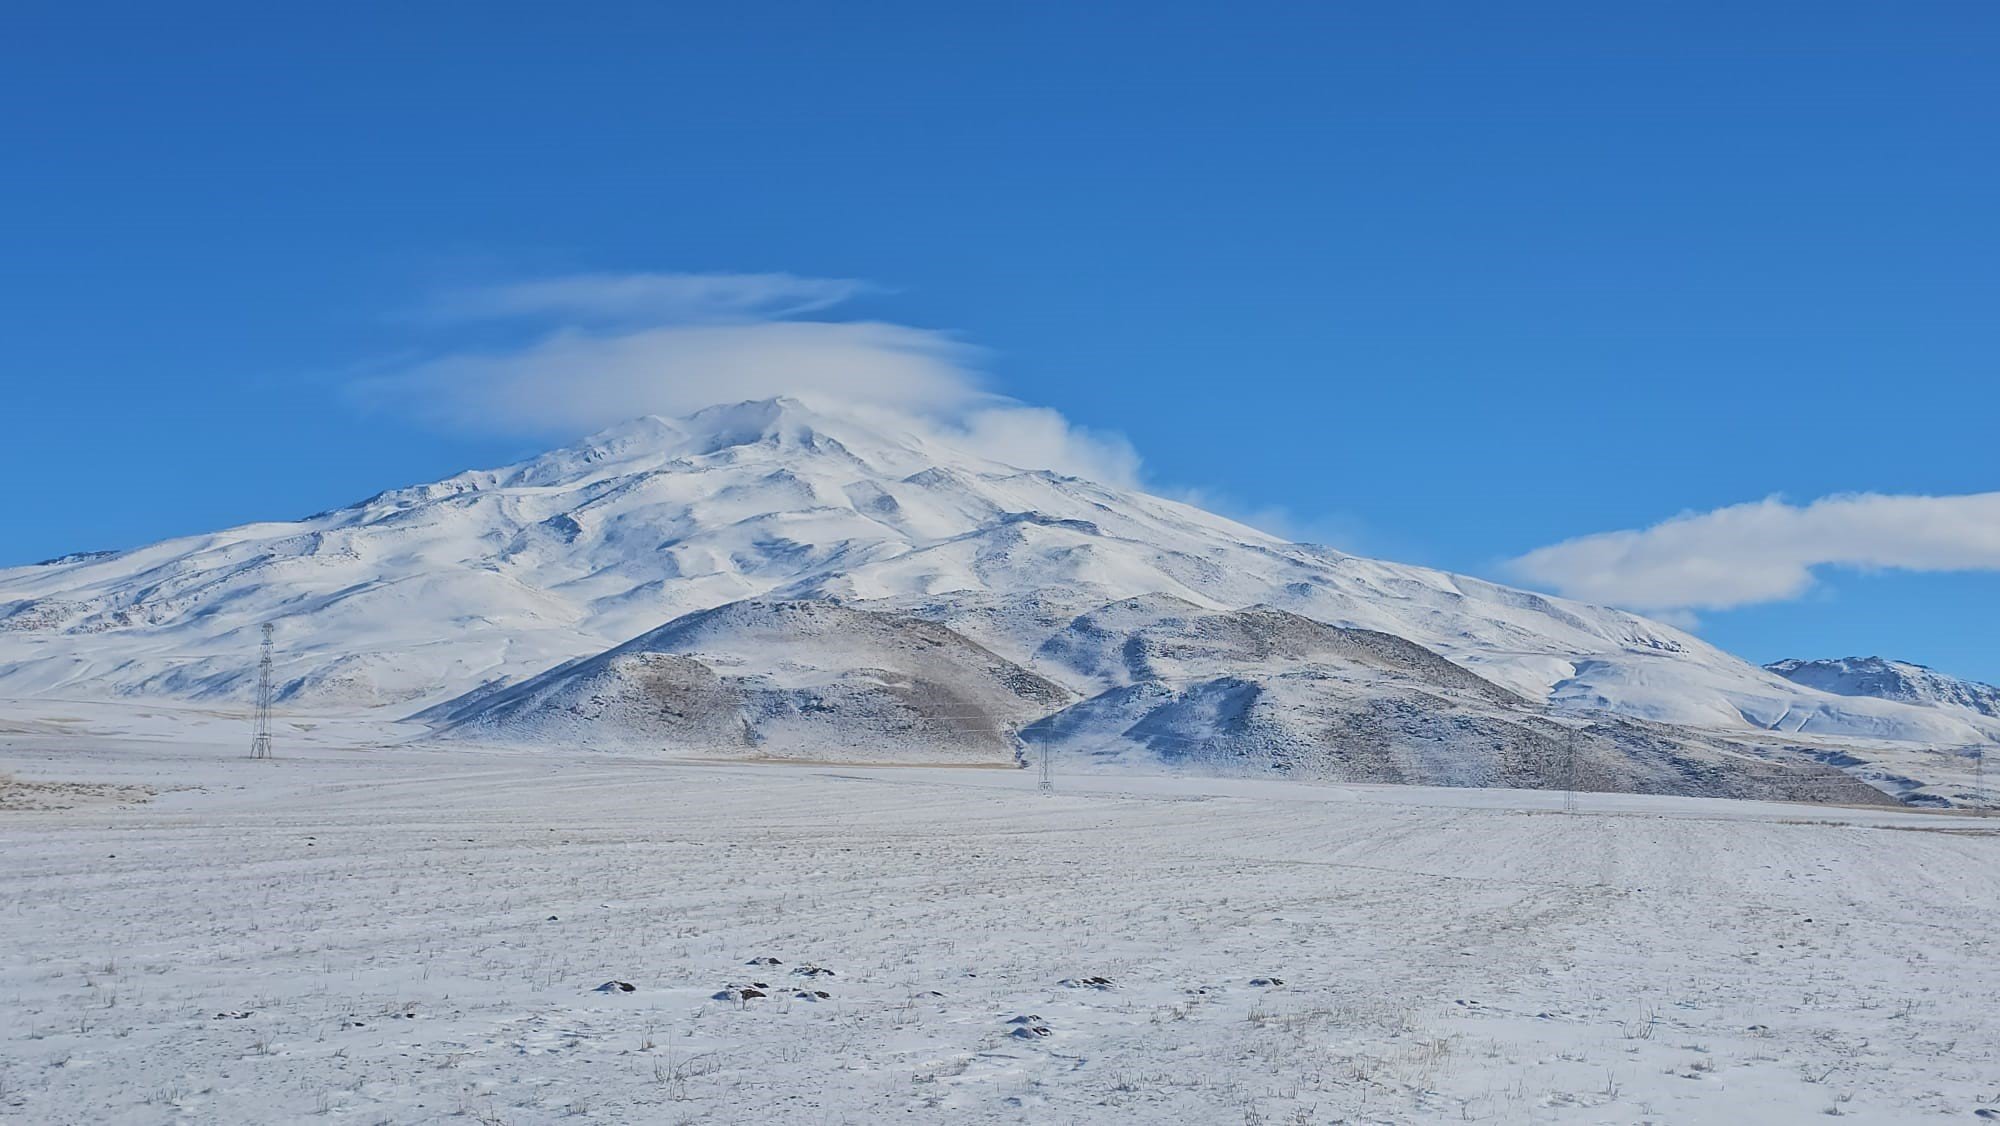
<point x="358" y="932"/>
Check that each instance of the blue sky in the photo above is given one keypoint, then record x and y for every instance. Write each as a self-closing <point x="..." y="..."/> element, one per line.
<point x="1446" y="283"/>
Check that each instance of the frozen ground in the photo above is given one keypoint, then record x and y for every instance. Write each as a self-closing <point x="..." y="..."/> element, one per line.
<point x="362" y="933"/>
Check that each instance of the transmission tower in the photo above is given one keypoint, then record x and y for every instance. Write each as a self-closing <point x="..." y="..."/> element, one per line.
<point x="1048" y="766"/>
<point x="1569" y="773"/>
<point x="260" y="738"/>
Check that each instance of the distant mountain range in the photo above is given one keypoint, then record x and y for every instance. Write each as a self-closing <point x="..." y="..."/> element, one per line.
<point x="856" y="585"/>
<point x="1883" y="679"/>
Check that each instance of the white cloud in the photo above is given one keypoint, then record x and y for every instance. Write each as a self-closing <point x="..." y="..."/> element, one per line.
<point x="1044" y="439"/>
<point x="648" y="298"/>
<point x="1766" y="551"/>
<point x="572" y="381"/>
<point x="617" y="346"/>
<point x="1335" y="530"/>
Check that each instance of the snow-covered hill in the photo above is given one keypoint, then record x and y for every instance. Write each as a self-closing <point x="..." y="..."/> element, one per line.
<point x="780" y="680"/>
<point x="421" y="594"/>
<point x="1254" y="691"/>
<point x="1266" y="692"/>
<point x="1884" y="679"/>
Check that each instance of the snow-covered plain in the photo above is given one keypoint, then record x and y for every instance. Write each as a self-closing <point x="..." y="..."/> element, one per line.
<point x="366" y="931"/>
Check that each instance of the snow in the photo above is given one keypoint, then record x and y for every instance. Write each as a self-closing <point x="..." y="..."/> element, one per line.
<point x="420" y="595"/>
<point x="368" y="930"/>
<point x="1892" y="680"/>
<point x="808" y="680"/>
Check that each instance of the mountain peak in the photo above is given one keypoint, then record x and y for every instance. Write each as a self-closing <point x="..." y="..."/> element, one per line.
<point x="781" y="428"/>
<point x="646" y="430"/>
<point x="1887" y="679"/>
<point x="780" y="421"/>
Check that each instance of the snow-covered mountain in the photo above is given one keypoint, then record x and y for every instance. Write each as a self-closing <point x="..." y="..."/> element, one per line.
<point x="422" y="594"/>
<point x="1884" y="679"/>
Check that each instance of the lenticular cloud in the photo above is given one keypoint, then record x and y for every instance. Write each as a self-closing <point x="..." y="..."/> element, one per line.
<point x="604" y="348"/>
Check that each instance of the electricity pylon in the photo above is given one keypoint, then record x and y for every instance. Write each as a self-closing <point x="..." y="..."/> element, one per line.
<point x="1569" y="773"/>
<point x="260" y="737"/>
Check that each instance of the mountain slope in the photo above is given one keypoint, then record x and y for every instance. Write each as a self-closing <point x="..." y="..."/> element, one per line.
<point x="1264" y="691"/>
<point x="418" y="595"/>
<point x="811" y="680"/>
<point x="1892" y="680"/>
<point x="1239" y="691"/>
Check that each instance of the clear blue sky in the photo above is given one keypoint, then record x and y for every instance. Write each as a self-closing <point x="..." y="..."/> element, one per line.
<point x="1446" y="282"/>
